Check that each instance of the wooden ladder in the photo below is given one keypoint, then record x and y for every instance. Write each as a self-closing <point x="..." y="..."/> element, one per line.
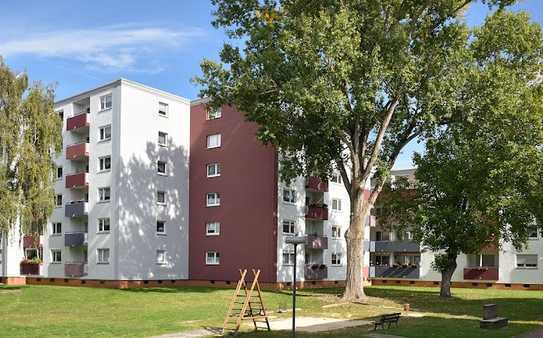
<point x="252" y="306"/>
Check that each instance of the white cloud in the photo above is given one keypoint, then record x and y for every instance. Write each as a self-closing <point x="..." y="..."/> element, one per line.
<point x="120" y="47"/>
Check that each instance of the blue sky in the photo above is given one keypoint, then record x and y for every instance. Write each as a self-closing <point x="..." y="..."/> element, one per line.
<point x="78" y="45"/>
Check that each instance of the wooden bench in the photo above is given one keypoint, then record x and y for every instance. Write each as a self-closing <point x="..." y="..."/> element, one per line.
<point x="387" y="319"/>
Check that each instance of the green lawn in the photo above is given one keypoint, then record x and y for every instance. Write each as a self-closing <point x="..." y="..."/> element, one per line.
<point x="69" y="311"/>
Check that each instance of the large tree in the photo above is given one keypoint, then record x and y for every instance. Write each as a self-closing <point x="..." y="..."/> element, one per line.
<point x="341" y="84"/>
<point x="30" y="133"/>
<point x="478" y="183"/>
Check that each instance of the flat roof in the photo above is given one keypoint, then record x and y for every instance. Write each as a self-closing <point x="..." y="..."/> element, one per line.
<point x="118" y="82"/>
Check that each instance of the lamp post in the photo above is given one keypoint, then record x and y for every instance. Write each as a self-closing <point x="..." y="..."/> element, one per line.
<point x="294" y="240"/>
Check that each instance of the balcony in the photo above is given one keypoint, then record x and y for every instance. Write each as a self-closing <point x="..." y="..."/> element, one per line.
<point x="318" y="212"/>
<point x="316" y="272"/>
<point x="30" y="268"/>
<point x="77" y="122"/>
<point x="316" y="184"/>
<point x="75" y="238"/>
<point x="481" y="273"/>
<point x="31" y="241"/>
<point x="76" y="209"/>
<point x="394" y="246"/>
<point x="75" y="269"/>
<point x="401" y="271"/>
<point x="77" y="151"/>
<point x="76" y="181"/>
<point x="316" y="242"/>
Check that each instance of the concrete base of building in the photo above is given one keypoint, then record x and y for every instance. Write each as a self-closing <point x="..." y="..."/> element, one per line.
<point x="13" y="280"/>
<point x="463" y="284"/>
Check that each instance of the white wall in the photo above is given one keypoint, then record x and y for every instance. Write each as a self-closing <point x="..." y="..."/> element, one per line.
<point x="11" y="252"/>
<point x="509" y="273"/>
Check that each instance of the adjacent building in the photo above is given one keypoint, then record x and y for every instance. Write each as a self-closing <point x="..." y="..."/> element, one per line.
<point x="151" y="186"/>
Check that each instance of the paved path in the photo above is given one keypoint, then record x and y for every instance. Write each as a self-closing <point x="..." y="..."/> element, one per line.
<point x="532" y="334"/>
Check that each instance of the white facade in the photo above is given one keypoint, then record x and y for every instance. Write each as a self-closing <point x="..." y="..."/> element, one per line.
<point x="121" y="236"/>
<point x="11" y="252"/>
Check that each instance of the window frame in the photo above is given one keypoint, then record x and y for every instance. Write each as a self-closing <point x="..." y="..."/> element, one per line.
<point x="219" y="139"/>
<point x="99" y="258"/>
<point x="165" y="135"/>
<point x="54" y="257"/>
<point x="60" y="171"/>
<point x="293" y="195"/>
<point x="164" y="259"/>
<point x="163" y="193"/>
<point x="217" y="167"/>
<point x="163" y="232"/>
<point x="57" y="200"/>
<point x="166" y="112"/>
<point x="102" y="225"/>
<point x="102" y="160"/>
<point x="290" y="254"/>
<point x="336" y="178"/>
<point x="336" y="258"/>
<point x="216" y="257"/>
<point x="525" y="266"/>
<point x="336" y="232"/>
<point x="104" y="189"/>
<point x="291" y="225"/>
<point x="104" y="128"/>
<point x="165" y="172"/>
<point x="217" y="228"/>
<point x="217" y="199"/>
<point x="55" y="229"/>
<point x="337" y="204"/>
<point x="210" y="117"/>
<point x="104" y="102"/>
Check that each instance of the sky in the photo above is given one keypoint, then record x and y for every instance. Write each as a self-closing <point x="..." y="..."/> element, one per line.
<point x="77" y="45"/>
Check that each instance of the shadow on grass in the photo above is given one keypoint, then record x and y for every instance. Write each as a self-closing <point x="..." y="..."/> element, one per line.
<point x="11" y="287"/>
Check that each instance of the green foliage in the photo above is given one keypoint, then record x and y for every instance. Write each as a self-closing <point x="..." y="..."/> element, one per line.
<point x="479" y="180"/>
<point x="30" y="132"/>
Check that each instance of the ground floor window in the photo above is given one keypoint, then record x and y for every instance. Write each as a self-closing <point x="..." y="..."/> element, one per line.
<point x="161" y="257"/>
<point x="56" y="256"/>
<point x="336" y="258"/>
<point x="288" y="256"/>
<point x="527" y="261"/>
<point x="103" y="256"/>
<point x="213" y="258"/>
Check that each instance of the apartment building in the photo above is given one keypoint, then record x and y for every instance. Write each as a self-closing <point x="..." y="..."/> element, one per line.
<point x="121" y="189"/>
<point x="396" y="256"/>
<point x="241" y="211"/>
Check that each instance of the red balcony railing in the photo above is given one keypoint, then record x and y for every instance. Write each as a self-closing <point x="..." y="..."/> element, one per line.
<point x="31" y="241"/>
<point x="80" y="180"/>
<point x="30" y="268"/>
<point x="74" y="269"/>
<point x="316" y="242"/>
<point x="316" y="272"/>
<point x="316" y="184"/>
<point x="319" y="212"/>
<point x="76" y="151"/>
<point x="481" y="273"/>
<point x="78" y="121"/>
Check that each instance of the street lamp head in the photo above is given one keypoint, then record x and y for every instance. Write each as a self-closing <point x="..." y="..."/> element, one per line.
<point x="295" y="240"/>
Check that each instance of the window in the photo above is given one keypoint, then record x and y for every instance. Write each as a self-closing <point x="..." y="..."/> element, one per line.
<point x="57" y="228"/>
<point x="104" y="163"/>
<point x="214" y="113"/>
<point x="104" y="194"/>
<point x="161" y="197"/>
<point x="288" y="256"/>
<point x="56" y="256"/>
<point x="488" y="260"/>
<point x="288" y="227"/>
<point x="61" y="114"/>
<point x="213" y="199"/>
<point x="289" y="195"/>
<point x="161" y="257"/>
<point x="213" y="258"/>
<point x="336" y="204"/>
<point x="163" y="109"/>
<point x="162" y="138"/>
<point x="336" y="231"/>
<point x="161" y="227"/>
<point x="103" y="256"/>
<point x="104" y="224"/>
<point x="213" y="141"/>
<point x="105" y="102"/>
<point x="31" y="253"/>
<point x="336" y="178"/>
<point x="161" y="167"/>
<point x="527" y="261"/>
<point x="104" y="133"/>
<point x="336" y="258"/>
<point x="213" y="170"/>
<point x="213" y="229"/>
<point x="58" y="200"/>
<point x="59" y="173"/>
<point x="532" y="232"/>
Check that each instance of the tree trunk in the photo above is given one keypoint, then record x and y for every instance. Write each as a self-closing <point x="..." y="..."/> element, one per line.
<point x="446" y="276"/>
<point x="354" y="289"/>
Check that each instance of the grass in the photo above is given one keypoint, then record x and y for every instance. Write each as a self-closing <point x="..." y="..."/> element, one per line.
<point x="70" y="311"/>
